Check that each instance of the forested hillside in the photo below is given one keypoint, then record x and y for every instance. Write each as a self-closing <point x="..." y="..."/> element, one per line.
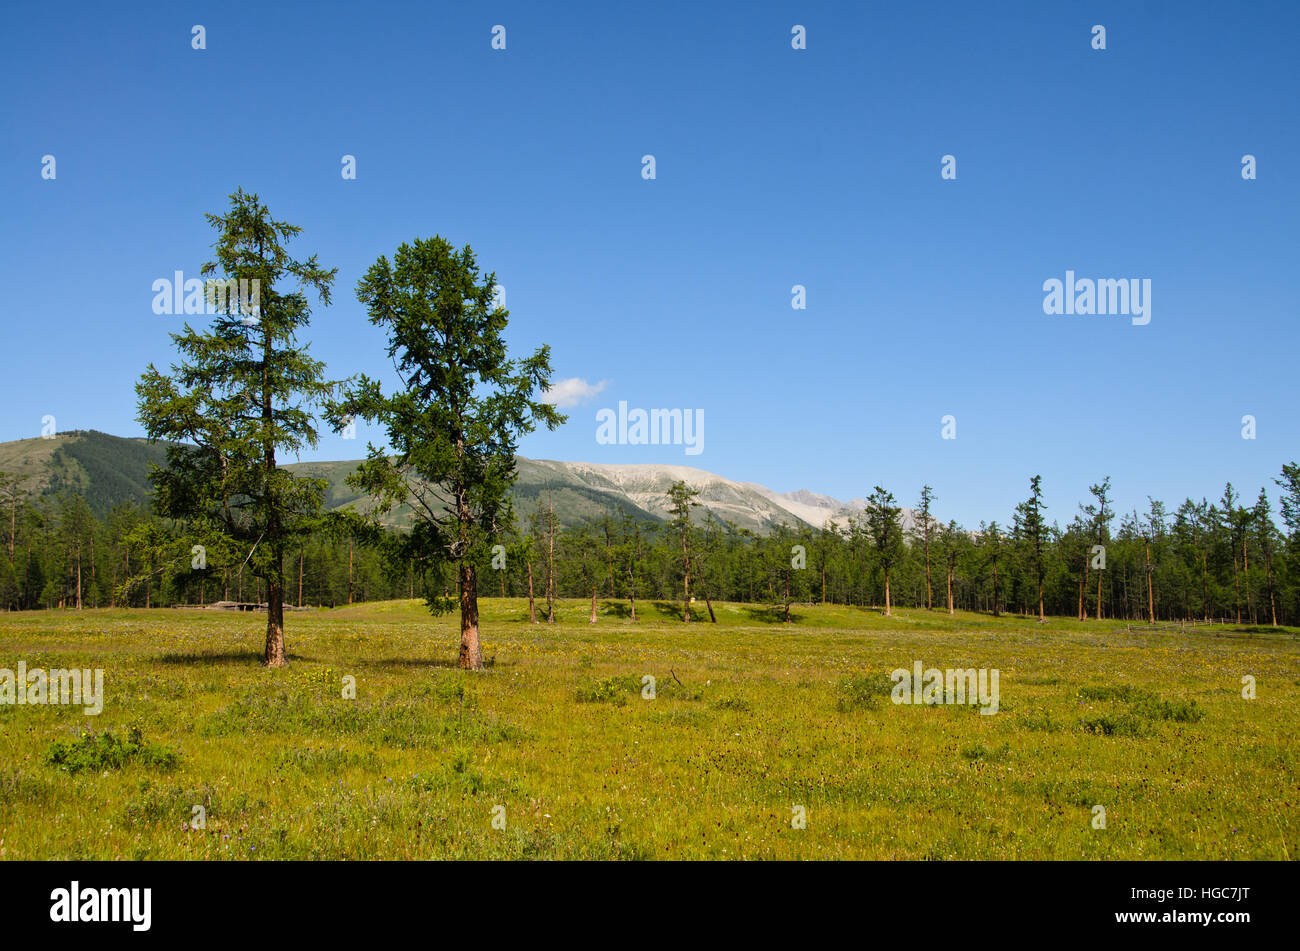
<point x="81" y="537"/>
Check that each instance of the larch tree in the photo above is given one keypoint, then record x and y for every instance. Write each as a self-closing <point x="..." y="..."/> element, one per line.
<point x="954" y="542"/>
<point x="991" y="544"/>
<point x="244" y="393"/>
<point x="1267" y="539"/>
<point x="681" y="499"/>
<point x="453" y="423"/>
<point x="629" y="555"/>
<point x="1032" y="531"/>
<point x="925" y="528"/>
<point x="1100" y="515"/>
<point x="885" y="529"/>
<point x="1153" y="534"/>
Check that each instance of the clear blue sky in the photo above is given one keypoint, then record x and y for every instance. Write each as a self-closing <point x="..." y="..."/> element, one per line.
<point x="775" y="167"/>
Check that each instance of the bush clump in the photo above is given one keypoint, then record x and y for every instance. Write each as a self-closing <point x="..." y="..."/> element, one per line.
<point x="863" y="692"/>
<point x="102" y="751"/>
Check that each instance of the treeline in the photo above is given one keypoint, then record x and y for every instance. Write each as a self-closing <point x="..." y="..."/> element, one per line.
<point x="1226" y="558"/>
<point x="58" y="555"/>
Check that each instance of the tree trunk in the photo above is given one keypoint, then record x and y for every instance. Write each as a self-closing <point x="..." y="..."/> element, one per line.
<point x="1268" y="575"/>
<point x="1245" y="563"/>
<point x="1236" y="587"/>
<point x="1151" y="602"/>
<point x="686" y="581"/>
<point x="532" y="607"/>
<point x="951" y="608"/>
<point x="888" y="612"/>
<point x="995" y="590"/>
<point x="550" y="561"/>
<point x="275" y="653"/>
<point x="1083" y="586"/>
<point x="593" y="604"/>
<point x="471" y="656"/>
<point x="929" y="595"/>
<point x="1205" y="585"/>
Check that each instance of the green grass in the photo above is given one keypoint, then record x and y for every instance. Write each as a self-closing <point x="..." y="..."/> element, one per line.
<point x="749" y="718"/>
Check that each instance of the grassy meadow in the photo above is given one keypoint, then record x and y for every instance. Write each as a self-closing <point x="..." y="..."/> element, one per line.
<point x="750" y="719"/>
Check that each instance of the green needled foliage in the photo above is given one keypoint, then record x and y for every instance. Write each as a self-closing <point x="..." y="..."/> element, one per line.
<point x="453" y="423"/>
<point x="243" y="391"/>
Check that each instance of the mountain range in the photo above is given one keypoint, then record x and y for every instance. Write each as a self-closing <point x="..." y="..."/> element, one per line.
<point x="109" y="470"/>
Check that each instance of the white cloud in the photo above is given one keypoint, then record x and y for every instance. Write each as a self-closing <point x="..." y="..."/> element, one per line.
<point x="571" y="392"/>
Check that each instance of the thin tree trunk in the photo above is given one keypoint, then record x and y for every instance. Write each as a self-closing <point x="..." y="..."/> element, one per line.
<point x="593" y="604"/>
<point x="1205" y="585"/>
<point x="1083" y="586"/>
<point x="1236" y="587"/>
<point x="1151" y="602"/>
<point x="550" y="560"/>
<point x="686" y="580"/>
<point x="1245" y="562"/>
<point x="631" y="590"/>
<point x="532" y="608"/>
<point x="929" y="596"/>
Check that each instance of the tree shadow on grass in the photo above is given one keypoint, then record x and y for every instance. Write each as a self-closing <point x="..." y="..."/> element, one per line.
<point x="618" y="609"/>
<point x="242" y="658"/>
<point x="770" y="614"/>
<point x="671" y="608"/>
<point x="446" y="663"/>
<point x="1264" y="629"/>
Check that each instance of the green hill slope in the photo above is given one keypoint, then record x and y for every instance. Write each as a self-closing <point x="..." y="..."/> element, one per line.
<point x="109" y="470"/>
